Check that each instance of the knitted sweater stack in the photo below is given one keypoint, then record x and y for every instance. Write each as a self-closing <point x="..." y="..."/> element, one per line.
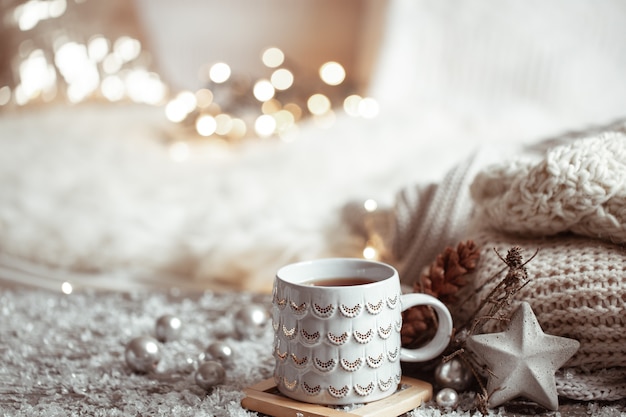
<point x="568" y="203"/>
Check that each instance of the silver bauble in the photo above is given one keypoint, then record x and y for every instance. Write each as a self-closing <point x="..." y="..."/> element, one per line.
<point x="251" y="320"/>
<point x="220" y="352"/>
<point x="168" y="328"/>
<point x="447" y="398"/>
<point x="142" y="354"/>
<point x="453" y="374"/>
<point x="210" y="374"/>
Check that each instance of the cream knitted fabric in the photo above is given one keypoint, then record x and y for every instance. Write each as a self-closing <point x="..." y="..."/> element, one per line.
<point x="579" y="187"/>
<point x="577" y="290"/>
<point x="571" y="207"/>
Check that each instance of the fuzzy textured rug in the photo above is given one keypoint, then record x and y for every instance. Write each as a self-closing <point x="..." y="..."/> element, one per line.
<point x="63" y="355"/>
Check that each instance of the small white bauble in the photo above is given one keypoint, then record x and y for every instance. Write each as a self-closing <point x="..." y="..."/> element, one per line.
<point x="453" y="374"/>
<point x="142" y="354"/>
<point x="168" y="328"/>
<point x="251" y="321"/>
<point x="220" y="352"/>
<point x="447" y="398"/>
<point x="210" y="374"/>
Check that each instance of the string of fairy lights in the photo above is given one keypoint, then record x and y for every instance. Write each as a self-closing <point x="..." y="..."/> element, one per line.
<point x="230" y="106"/>
<point x="62" y="66"/>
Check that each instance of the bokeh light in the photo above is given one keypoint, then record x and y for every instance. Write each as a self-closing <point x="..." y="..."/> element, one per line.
<point x="282" y="79"/>
<point x="219" y="72"/>
<point x="318" y="104"/>
<point x="332" y="73"/>
<point x="273" y="57"/>
<point x="263" y="90"/>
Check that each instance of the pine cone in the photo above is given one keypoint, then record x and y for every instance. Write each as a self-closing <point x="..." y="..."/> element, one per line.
<point x="442" y="279"/>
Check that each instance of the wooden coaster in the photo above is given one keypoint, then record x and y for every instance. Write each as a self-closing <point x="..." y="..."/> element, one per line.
<point x="265" y="398"/>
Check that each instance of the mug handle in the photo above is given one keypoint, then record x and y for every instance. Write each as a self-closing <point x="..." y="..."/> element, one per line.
<point x="444" y="331"/>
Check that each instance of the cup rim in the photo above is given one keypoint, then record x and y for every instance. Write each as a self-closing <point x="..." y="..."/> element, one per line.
<point x="302" y="282"/>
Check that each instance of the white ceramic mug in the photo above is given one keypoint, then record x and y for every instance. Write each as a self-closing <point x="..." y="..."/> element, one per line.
<point x="341" y="344"/>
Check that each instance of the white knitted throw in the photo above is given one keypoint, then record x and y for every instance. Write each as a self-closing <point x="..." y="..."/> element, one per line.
<point x="569" y="203"/>
<point x="579" y="187"/>
<point x="571" y="207"/>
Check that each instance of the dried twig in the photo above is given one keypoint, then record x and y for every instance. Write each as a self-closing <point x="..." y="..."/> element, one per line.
<point x="498" y="298"/>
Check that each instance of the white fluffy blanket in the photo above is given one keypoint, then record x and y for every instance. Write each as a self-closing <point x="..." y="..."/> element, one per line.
<point x="93" y="189"/>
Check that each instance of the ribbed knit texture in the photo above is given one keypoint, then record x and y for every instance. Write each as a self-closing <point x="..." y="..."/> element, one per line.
<point x="571" y="207"/>
<point x="568" y="202"/>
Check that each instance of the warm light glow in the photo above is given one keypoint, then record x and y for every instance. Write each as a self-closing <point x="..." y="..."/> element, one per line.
<point x="145" y="87"/>
<point x="223" y="124"/>
<point x="318" y="104"/>
<point x="127" y="48"/>
<point x="79" y="72"/>
<point x="188" y="101"/>
<point x="206" y="125"/>
<point x="179" y="152"/>
<point x="204" y="98"/>
<point x="5" y="95"/>
<point x="98" y="48"/>
<point x="36" y="76"/>
<point x="112" y="88"/>
<point x="332" y="73"/>
<point x="282" y="79"/>
<point x="369" y="108"/>
<point x="271" y="106"/>
<point x="112" y="64"/>
<point x="178" y="108"/>
<point x="219" y="72"/>
<point x="263" y="90"/>
<point x="265" y="125"/>
<point x="351" y="105"/>
<point x="30" y="13"/>
<point x="66" y="287"/>
<point x="370" y="205"/>
<point x="294" y="109"/>
<point x="284" y="120"/>
<point x="238" y="129"/>
<point x="273" y="57"/>
<point x="370" y="253"/>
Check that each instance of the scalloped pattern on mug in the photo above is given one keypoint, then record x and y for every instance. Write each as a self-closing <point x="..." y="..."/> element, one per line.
<point x="398" y="325"/>
<point x="384" y="332"/>
<point x="290" y="385"/>
<point x="364" y="391"/>
<point x="350" y="312"/>
<point x="290" y="333"/>
<point x="351" y="366"/>
<point x="309" y="338"/>
<point x="384" y="385"/>
<point x="323" y="312"/>
<point x="374" y="308"/>
<point x="298" y="309"/>
<point x="338" y="339"/>
<point x="325" y="366"/>
<point x="300" y="362"/>
<point x="392" y="355"/>
<point x="392" y="302"/>
<point x="280" y="302"/>
<point x="311" y="390"/>
<point x="338" y="392"/>
<point x="374" y="362"/>
<point x="363" y="337"/>
<point x="279" y="355"/>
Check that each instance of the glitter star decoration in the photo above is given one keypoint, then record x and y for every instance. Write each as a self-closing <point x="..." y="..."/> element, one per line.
<point x="523" y="360"/>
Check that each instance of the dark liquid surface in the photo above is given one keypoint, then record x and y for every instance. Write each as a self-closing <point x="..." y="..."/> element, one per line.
<point x="339" y="282"/>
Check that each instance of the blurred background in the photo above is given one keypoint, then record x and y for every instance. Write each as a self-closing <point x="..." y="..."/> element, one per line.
<point x="206" y="143"/>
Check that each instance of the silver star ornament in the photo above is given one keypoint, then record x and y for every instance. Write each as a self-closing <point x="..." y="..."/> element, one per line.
<point x="523" y="360"/>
